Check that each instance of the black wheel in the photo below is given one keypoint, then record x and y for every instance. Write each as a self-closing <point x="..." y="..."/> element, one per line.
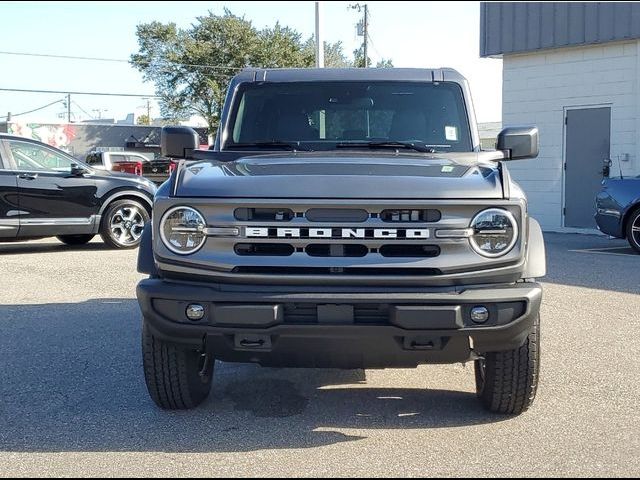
<point x="633" y="230"/>
<point x="178" y="378"/>
<point x="506" y="382"/>
<point x="75" y="239"/>
<point x="122" y="224"/>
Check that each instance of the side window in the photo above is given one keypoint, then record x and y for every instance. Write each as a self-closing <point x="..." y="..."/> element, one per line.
<point x="94" y="159"/>
<point x="34" y="157"/>
<point x="118" y="158"/>
<point x="137" y="158"/>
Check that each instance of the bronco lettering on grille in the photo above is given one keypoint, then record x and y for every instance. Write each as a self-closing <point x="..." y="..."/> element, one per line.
<point x="341" y="233"/>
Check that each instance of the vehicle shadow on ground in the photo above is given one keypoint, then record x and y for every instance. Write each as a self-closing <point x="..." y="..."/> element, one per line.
<point x="25" y="248"/>
<point x="71" y="380"/>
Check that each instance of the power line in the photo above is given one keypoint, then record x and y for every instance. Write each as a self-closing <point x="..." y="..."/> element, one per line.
<point x="374" y="48"/>
<point x="117" y="60"/>
<point x="67" y="92"/>
<point x="82" y="109"/>
<point x="35" y="109"/>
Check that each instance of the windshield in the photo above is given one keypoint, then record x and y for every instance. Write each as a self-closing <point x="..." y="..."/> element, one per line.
<point x="328" y="115"/>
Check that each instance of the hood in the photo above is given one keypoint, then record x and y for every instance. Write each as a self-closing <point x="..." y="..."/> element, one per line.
<point x="125" y="179"/>
<point x="344" y="175"/>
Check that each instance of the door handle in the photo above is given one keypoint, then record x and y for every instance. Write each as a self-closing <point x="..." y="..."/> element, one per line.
<point x="28" y="176"/>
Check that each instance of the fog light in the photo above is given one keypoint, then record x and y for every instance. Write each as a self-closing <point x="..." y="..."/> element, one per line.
<point x="479" y="314"/>
<point x="195" y="312"/>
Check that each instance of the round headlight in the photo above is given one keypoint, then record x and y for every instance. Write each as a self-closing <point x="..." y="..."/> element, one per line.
<point x="182" y="230"/>
<point x="495" y="232"/>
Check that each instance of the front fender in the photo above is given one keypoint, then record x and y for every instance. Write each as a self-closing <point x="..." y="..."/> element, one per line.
<point x="536" y="265"/>
<point x="146" y="264"/>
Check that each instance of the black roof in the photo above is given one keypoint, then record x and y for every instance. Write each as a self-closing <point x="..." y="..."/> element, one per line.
<point x="348" y="74"/>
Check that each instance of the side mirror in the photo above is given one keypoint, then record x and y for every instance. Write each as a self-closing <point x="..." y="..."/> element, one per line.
<point x="519" y="142"/>
<point x="178" y="142"/>
<point x="77" y="170"/>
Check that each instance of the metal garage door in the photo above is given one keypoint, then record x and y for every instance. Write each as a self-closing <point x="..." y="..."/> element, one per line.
<point x="587" y="145"/>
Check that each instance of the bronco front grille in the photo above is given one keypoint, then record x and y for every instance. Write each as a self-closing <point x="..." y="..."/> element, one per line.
<point x="337" y="239"/>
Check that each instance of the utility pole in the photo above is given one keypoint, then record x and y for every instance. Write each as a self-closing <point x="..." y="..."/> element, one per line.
<point x="366" y="35"/>
<point x="319" y="37"/>
<point x="68" y="108"/>
<point x="363" y="29"/>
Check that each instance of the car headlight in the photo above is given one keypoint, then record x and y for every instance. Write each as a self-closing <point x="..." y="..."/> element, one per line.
<point x="495" y="232"/>
<point x="182" y="230"/>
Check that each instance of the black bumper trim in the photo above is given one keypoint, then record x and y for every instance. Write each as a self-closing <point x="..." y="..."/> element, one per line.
<point x="341" y="345"/>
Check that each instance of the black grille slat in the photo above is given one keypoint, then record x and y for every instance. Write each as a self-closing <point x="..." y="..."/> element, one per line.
<point x="336" y="215"/>
<point x="264" y="249"/>
<point x="410" y="251"/>
<point x="302" y="313"/>
<point x="411" y="215"/>
<point x="336" y="250"/>
<point x="263" y="214"/>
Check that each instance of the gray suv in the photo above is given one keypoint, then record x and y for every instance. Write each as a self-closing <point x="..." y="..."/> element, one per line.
<point x="344" y="218"/>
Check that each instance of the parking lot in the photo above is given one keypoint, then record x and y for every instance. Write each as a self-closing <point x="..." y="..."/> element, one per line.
<point x="73" y="399"/>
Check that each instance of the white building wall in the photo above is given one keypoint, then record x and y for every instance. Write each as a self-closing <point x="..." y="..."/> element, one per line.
<point x="537" y="89"/>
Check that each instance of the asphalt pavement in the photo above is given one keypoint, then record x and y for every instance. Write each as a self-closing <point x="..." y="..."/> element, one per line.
<point x="73" y="400"/>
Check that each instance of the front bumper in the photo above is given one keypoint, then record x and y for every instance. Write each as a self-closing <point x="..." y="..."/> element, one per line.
<point x="340" y="327"/>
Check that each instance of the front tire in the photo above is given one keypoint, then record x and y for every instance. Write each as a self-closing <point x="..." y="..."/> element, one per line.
<point x="75" y="240"/>
<point x="633" y="230"/>
<point x="506" y="382"/>
<point x="122" y="224"/>
<point x="173" y="373"/>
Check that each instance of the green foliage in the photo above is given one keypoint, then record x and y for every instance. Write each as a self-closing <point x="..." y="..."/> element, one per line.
<point x="143" y="120"/>
<point x="334" y="56"/>
<point x="191" y="68"/>
<point x="385" y="63"/>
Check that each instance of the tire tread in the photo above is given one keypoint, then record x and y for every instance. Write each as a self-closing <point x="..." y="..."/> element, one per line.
<point x="172" y="380"/>
<point x="511" y="379"/>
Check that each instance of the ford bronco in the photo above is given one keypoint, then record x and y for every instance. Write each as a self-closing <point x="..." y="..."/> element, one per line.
<point x="344" y="218"/>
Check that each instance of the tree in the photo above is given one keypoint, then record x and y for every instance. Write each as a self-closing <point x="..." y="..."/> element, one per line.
<point x="334" y="56"/>
<point x="144" y="120"/>
<point x="191" y="68"/>
<point x="358" y="60"/>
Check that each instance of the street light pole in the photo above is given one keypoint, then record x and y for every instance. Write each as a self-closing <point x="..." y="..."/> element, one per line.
<point x="366" y="35"/>
<point x="319" y="37"/>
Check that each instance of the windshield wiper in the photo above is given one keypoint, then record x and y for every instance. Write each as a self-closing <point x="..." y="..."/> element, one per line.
<point x="266" y="145"/>
<point x="417" y="146"/>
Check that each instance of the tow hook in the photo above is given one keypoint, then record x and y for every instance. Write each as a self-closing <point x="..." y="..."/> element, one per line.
<point x="204" y="365"/>
<point x="203" y="361"/>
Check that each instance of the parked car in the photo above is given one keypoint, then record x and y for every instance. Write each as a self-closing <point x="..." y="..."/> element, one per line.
<point x="618" y="209"/>
<point x="44" y="192"/>
<point x="346" y="218"/>
<point x="157" y="170"/>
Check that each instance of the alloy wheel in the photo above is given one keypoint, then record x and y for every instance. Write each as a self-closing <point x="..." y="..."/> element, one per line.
<point x="126" y="225"/>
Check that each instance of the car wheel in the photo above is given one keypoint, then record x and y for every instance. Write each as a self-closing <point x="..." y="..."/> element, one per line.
<point x="178" y="378"/>
<point x="122" y="224"/>
<point x="74" y="240"/>
<point x="506" y="382"/>
<point x="633" y="230"/>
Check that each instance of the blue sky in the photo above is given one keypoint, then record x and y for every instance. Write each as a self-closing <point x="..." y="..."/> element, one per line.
<point x="412" y="34"/>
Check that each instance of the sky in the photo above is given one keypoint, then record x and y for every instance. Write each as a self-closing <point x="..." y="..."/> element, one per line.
<point x="411" y="34"/>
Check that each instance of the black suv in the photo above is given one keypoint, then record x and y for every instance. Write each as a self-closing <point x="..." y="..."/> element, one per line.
<point x="45" y="192"/>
